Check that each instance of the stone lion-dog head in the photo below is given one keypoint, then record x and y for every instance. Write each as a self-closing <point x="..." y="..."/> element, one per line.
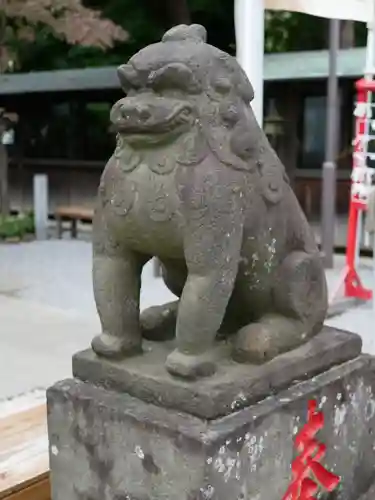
<point x="182" y="90"/>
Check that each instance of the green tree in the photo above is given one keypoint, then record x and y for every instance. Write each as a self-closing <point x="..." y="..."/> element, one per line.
<point x="292" y="31"/>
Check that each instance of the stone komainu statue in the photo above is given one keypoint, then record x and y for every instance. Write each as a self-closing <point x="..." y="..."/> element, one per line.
<point x="194" y="181"/>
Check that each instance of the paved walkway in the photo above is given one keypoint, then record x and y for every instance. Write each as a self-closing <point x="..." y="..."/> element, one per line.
<point x="47" y="310"/>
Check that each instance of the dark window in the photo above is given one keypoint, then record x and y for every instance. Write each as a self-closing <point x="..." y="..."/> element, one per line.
<point x="97" y="141"/>
<point x="314" y="131"/>
<point x="47" y="131"/>
<point x="72" y="129"/>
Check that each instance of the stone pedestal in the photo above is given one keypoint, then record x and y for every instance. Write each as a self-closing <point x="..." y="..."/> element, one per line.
<point x="129" y="431"/>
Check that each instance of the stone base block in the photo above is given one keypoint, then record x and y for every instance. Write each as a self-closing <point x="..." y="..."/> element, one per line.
<point x="234" y="386"/>
<point x="105" y="445"/>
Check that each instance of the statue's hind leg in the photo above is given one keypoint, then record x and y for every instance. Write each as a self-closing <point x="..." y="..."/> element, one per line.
<point x="299" y="309"/>
<point x="158" y="323"/>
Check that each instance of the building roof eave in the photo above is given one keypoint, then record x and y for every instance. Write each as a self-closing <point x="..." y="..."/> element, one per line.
<point x="287" y="66"/>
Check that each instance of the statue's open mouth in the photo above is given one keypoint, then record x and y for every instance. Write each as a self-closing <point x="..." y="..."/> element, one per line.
<point x="175" y="120"/>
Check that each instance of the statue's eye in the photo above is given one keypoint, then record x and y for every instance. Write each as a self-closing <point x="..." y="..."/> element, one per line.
<point x="174" y="76"/>
<point x="128" y="77"/>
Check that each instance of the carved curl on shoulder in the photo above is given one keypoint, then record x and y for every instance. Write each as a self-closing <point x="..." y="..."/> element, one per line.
<point x="231" y="77"/>
<point x="184" y="32"/>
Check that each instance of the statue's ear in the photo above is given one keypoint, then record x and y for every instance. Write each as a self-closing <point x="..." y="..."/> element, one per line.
<point x="230" y="71"/>
<point x="232" y="140"/>
<point x="128" y="77"/>
<point x="221" y="144"/>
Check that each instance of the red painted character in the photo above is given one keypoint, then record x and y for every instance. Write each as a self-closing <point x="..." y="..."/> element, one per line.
<point x="311" y="452"/>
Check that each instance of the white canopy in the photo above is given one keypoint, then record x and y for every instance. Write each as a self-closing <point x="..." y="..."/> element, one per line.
<point x="355" y="10"/>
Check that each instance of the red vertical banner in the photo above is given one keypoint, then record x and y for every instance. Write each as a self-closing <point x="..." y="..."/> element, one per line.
<point x="361" y="186"/>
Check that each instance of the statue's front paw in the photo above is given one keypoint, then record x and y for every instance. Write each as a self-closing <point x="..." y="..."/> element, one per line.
<point x="110" y="346"/>
<point x="191" y="366"/>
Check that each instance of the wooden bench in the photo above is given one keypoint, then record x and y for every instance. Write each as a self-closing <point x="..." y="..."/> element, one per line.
<point x="73" y="214"/>
<point x="24" y="461"/>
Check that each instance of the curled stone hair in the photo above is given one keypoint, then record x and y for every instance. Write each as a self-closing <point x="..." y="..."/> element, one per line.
<point x="183" y="32"/>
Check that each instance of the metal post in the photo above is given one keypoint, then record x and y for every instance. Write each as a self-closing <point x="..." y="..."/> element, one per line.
<point x="329" y="166"/>
<point x="4" y="195"/>
<point x="369" y="72"/>
<point x="369" y="75"/>
<point x="41" y="206"/>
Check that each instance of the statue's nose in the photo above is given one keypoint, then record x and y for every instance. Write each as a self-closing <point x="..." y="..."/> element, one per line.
<point x="139" y="111"/>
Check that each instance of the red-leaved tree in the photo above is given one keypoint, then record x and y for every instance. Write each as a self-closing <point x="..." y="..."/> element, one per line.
<point x="67" y="19"/>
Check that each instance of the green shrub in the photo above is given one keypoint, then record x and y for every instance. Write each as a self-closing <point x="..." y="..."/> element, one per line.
<point x="16" y="226"/>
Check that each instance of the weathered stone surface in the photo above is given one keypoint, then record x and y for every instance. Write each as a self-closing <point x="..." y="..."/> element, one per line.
<point x="194" y="182"/>
<point x="234" y="385"/>
<point x="109" y="446"/>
